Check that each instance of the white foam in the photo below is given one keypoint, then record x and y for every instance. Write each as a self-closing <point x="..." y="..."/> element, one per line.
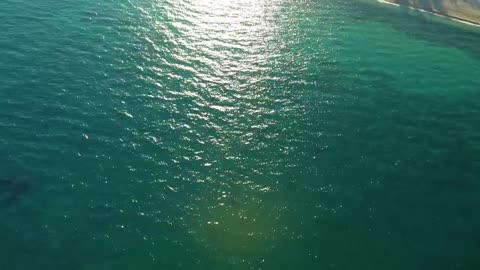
<point x="431" y="13"/>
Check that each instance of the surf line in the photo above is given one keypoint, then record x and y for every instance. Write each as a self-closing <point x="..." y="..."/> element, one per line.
<point x="431" y="13"/>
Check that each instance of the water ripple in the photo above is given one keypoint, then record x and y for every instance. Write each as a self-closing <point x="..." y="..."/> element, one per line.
<point x="236" y="134"/>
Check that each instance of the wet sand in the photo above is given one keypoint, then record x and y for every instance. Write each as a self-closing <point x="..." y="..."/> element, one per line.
<point x="463" y="10"/>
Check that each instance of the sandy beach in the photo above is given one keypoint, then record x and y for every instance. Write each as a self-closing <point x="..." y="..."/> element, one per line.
<point x="463" y="10"/>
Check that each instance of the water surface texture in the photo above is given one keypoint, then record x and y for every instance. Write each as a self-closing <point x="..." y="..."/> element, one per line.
<point x="237" y="134"/>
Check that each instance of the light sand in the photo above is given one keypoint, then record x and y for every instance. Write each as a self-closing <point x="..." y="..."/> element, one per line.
<point x="464" y="10"/>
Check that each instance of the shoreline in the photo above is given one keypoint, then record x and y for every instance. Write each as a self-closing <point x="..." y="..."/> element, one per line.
<point x="442" y="14"/>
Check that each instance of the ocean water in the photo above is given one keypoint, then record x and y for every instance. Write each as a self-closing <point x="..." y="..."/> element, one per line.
<point x="237" y="134"/>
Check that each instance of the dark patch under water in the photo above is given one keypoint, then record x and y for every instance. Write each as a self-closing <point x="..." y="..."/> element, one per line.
<point x="12" y="190"/>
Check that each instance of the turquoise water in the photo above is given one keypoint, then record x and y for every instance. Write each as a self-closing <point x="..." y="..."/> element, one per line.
<point x="237" y="134"/>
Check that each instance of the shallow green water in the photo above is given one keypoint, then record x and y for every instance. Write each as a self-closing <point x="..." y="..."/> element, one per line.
<point x="237" y="134"/>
